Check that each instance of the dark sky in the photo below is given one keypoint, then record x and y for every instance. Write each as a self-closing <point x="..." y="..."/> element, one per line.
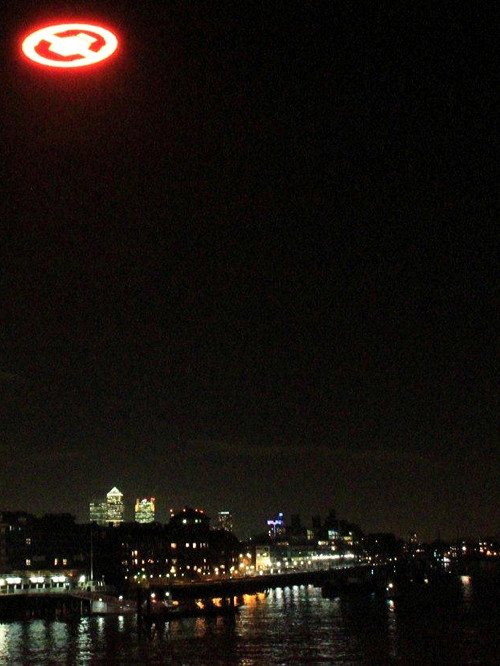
<point x="250" y="263"/>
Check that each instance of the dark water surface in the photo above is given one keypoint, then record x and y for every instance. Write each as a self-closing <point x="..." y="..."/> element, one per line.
<point x="454" y="622"/>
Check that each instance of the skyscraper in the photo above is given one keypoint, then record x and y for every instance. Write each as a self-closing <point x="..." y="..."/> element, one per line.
<point x="108" y="511"/>
<point x="145" y="510"/>
<point x="115" y="508"/>
<point x="99" y="512"/>
<point x="225" y="521"/>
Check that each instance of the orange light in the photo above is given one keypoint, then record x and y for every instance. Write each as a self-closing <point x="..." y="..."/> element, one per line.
<point x="69" y="45"/>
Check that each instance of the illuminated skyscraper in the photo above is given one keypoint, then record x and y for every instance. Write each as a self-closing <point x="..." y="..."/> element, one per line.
<point x="115" y="508"/>
<point x="98" y="512"/>
<point x="225" y="521"/>
<point x="108" y="511"/>
<point x="145" y="510"/>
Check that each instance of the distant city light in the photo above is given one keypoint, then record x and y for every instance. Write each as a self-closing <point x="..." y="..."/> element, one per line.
<point x="69" y="45"/>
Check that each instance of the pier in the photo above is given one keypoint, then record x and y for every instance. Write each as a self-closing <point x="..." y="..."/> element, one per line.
<point x="55" y="596"/>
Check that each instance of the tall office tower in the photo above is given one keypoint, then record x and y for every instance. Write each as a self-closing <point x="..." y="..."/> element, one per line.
<point x="115" y="507"/>
<point x="145" y="510"/>
<point x="108" y="511"/>
<point x="225" y="521"/>
<point x="99" y="512"/>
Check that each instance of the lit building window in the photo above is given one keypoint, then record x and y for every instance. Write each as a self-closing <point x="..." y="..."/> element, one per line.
<point x="28" y="563"/>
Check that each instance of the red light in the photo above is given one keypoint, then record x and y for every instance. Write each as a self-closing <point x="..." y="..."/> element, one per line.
<point x="70" y="45"/>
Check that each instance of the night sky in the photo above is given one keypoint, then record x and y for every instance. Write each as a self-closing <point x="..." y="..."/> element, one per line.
<point x="250" y="263"/>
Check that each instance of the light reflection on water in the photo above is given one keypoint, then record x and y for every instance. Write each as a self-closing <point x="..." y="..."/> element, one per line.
<point x="392" y="629"/>
<point x="290" y="626"/>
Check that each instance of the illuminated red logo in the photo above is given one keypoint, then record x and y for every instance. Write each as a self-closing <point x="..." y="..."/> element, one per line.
<point x="69" y="45"/>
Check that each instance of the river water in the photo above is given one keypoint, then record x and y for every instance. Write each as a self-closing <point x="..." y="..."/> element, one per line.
<point x="453" y="623"/>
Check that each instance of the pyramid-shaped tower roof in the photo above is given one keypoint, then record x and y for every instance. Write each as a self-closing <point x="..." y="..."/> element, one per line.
<point x="114" y="492"/>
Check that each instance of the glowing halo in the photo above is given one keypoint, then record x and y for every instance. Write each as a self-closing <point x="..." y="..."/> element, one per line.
<point x="69" y="45"/>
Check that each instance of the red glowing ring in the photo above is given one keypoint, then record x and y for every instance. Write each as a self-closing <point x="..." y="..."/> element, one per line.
<point x="69" y="45"/>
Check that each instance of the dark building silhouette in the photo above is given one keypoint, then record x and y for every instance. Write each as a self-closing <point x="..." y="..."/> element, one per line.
<point x="123" y="555"/>
<point x="52" y="542"/>
<point x="381" y="545"/>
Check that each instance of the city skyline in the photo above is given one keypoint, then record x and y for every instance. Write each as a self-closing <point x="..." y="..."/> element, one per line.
<point x="117" y="509"/>
<point x="249" y="262"/>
